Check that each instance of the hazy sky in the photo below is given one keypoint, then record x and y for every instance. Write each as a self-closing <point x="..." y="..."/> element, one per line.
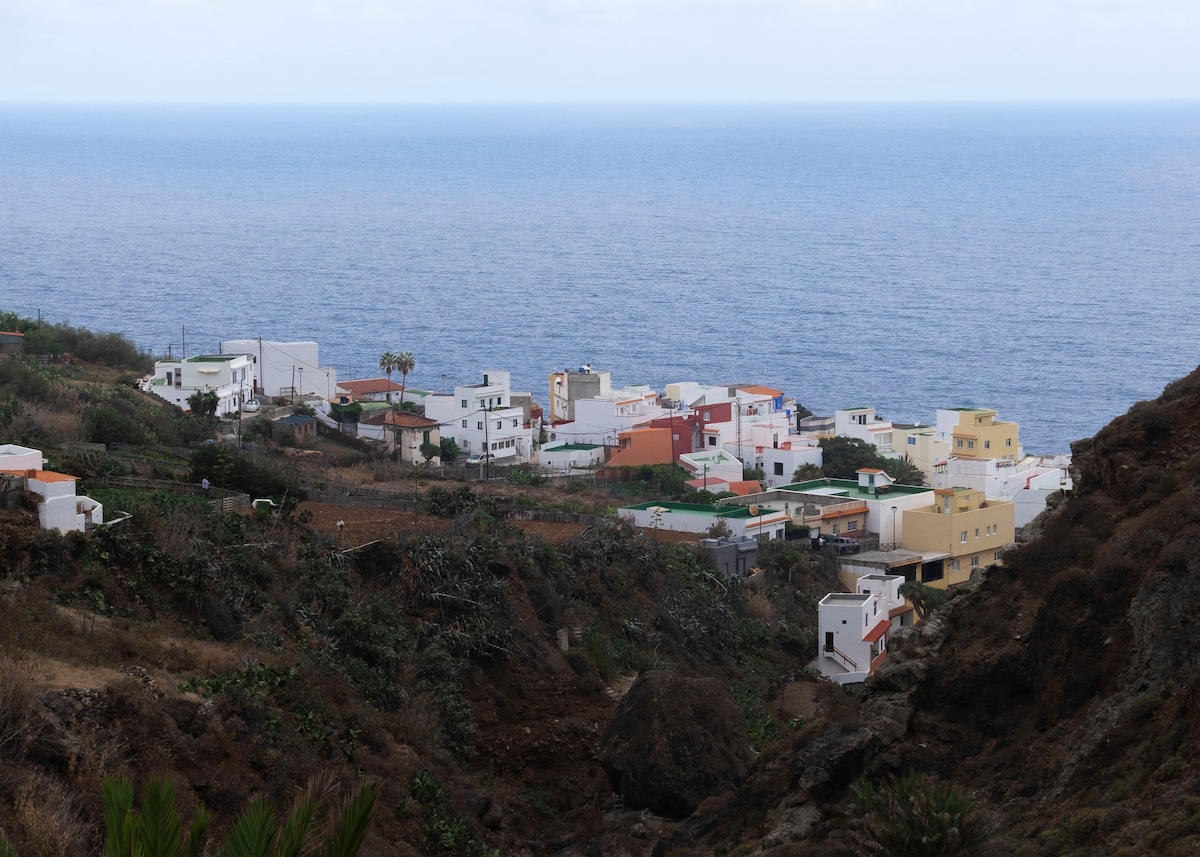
<point x="596" y="50"/>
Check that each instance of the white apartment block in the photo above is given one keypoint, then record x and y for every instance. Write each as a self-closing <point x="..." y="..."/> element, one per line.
<point x="230" y="376"/>
<point x="481" y="418"/>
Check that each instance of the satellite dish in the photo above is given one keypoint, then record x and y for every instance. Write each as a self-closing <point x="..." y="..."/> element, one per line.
<point x="754" y="509"/>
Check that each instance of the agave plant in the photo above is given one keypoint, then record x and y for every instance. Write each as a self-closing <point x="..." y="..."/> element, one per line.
<point x="315" y="825"/>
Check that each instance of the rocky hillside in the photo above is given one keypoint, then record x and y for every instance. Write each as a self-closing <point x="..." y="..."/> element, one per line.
<point x="1061" y="690"/>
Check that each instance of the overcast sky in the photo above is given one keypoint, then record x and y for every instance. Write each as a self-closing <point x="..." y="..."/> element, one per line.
<point x="596" y="50"/>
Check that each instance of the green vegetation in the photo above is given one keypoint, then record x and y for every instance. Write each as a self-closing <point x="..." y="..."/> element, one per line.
<point x="913" y="816"/>
<point x="843" y="457"/>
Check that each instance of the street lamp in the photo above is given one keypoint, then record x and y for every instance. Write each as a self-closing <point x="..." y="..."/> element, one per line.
<point x="893" y="527"/>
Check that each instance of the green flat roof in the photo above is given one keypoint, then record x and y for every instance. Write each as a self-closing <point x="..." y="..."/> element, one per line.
<point x="572" y="447"/>
<point x="212" y="358"/>
<point x="697" y="509"/>
<point x="849" y="489"/>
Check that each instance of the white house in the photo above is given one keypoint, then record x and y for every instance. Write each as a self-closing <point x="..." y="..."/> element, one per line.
<point x="759" y="522"/>
<point x="779" y="460"/>
<point x="59" y="508"/>
<point x="864" y="424"/>
<point x="717" y="465"/>
<point x="1027" y="483"/>
<point x="570" y="457"/>
<point x="482" y="418"/>
<point x="230" y="376"/>
<point x="286" y="368"/>
<point x="601" y="419"/>
<point x="20" y="458"/>
<point x="853" y="627"/>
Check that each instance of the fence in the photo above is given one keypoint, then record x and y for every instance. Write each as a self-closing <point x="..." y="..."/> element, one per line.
<point x="220" y="499"/>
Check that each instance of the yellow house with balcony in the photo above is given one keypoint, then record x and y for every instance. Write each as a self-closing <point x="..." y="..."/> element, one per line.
<point x="963" y="528"/>
<point x="976" y="433"/>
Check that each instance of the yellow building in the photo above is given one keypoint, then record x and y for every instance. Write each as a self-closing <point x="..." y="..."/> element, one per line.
<point x="921" y="445"/>
<point x="962" y="527"/>
<point x="976" y="433"/>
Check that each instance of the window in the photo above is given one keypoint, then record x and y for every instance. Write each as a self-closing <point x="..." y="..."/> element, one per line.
<point x="970" y="444"/>
<point x="479" y="426"/>
<point x="932" y="571"/>
<point x="712" y="441"/>
<point x="778" y="468"/>
<point x="974" y="562"/>
<point x="912" y="441"/>
<point x="464" y="423"/>
<point x="996" y="556"/>
<point x="954" y="565"/>
<point x="1008" y="441"/>
<point x="962" y="538"/>
<point x="707" y="416"/>
<point x="464" y="401"/>
<point x="958" y="443"/>
<point x="514" y="423"/>
<point x="851" y="526"/>
<point x="835" y="529"/>
<point x="977" y="532"/>
<point x="499" y="424"/>
<point x="987" y="444"/>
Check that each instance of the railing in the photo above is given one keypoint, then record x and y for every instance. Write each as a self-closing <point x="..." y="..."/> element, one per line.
<point x="846" y="662"/>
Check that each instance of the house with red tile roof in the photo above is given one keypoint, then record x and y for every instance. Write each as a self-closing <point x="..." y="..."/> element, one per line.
<point x="372" y="389"/>
<point x="59" y="508"/>
<point x="406" y="433"/>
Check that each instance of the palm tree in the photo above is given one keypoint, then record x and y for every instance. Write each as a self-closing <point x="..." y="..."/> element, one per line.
<point x="904" y="471"/>
<point x="405" y="363"/>
<point x="807" y="472"/>
<point x="388" y="364"/>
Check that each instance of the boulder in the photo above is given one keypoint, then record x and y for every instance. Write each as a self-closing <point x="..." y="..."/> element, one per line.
<point x="675" y="741"/>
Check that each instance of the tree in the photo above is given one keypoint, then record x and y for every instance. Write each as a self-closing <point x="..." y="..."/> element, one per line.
<point x="450" y="450"/>
<point x="204" y="405"/>
<point x="842" y="457"/>
<point x="925" y="599"/>
<point x="807" y="472"/>
<point x="430" y="451"/>
<point x="405" y="363"/>
<point x="904" y="471"/>
<point x="387" y="363"/>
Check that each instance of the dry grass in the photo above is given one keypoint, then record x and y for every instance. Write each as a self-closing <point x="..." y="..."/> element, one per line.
<point x="45" y="820"/>
<point x="760" y="606"/>
<point x="59" y="426"/>
<point x="19" y="697"/>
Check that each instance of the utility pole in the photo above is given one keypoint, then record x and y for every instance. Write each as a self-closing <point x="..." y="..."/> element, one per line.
<point x="183" y="351"/>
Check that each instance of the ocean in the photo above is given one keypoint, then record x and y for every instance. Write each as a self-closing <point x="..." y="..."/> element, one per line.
<point x="1043" y="260"/>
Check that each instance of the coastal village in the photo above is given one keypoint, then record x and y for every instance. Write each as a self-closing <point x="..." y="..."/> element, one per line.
<point x="751" y="454"/>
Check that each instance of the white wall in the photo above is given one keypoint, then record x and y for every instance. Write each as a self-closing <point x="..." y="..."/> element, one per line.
<point x="278" y="366"/>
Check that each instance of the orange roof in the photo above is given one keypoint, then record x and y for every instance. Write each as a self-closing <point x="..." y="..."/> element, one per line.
<point x="878" y="631"/>
<point x="367" y="386"/>
<point x="11" y="333"/>
<point x="742" y="488"/>
<point x="43" y="475"/>
<point x="899" y="611"/>
<point x="401" y="420"/>
<point x="868" y="470"/>
<point x="759" y="390"/>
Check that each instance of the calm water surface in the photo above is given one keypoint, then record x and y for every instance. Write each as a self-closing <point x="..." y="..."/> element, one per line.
<point x="1042" y="260"/>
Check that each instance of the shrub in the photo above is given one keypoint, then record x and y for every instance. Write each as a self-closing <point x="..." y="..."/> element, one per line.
<point x="912" y="816"/>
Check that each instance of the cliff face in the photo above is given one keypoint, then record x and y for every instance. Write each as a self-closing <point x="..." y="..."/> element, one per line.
<point x="1062" y="689"/>
<point x="1075" y="665"/>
